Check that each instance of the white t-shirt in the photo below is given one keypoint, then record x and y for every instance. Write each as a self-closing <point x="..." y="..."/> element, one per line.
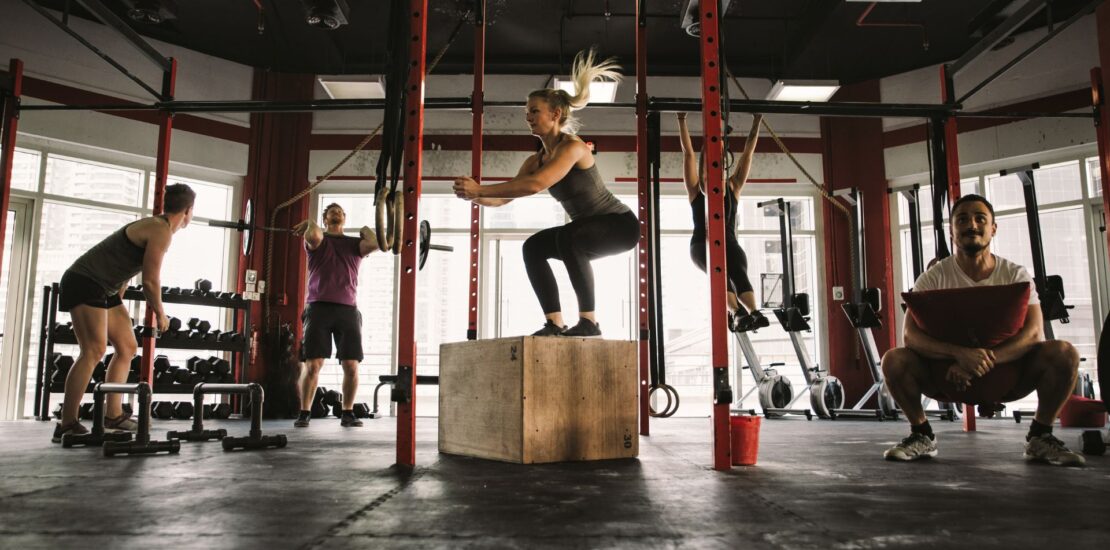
<point x="947" y="274"/>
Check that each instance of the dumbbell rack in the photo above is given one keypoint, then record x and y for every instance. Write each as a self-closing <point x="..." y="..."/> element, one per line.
<point x="241" y="350"/>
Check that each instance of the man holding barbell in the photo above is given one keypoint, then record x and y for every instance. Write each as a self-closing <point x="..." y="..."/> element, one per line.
<point x="331" y="310"/>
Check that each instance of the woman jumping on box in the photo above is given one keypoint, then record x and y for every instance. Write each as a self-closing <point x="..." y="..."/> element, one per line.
<point x="601" y="225"/>
<point x="743" y="313"/>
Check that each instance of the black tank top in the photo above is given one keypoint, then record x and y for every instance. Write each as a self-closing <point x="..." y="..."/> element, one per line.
<point x="697" y="208"/>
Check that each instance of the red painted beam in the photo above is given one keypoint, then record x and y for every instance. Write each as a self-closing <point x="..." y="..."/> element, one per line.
<point x="644" y="199"/>
<point x="161" y="172"/>
<point x="715" y="224"/>
<point x="476" y="147"/>
<point x="9" y="127"/>
<point x="414" y="148"/>
<point x="527" y="143"/>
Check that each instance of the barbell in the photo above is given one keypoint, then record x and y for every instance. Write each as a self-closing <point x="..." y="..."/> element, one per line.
<point x="248" y="228"/>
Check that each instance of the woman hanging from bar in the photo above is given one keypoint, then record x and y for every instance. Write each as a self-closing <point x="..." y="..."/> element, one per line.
<point x="743" y="313"/>
<point x="601" y="225"/>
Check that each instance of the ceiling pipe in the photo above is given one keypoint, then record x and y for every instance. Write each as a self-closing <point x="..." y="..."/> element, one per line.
<point x="860" y="22"/>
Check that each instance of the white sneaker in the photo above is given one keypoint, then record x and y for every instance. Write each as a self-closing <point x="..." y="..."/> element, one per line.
<point x="1046" y="448"/>
<point x="914" y="447"/>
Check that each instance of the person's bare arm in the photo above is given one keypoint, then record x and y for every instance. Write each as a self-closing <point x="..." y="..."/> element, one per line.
<point x="312" y="233"/>
<point x="158" y="238"/>
<point x="744" y="167"/>
<point x="563" y="159"/>
<point x="972" y="362"/>
<point x="689" y="157"/>
<point x="1031" y="333"/>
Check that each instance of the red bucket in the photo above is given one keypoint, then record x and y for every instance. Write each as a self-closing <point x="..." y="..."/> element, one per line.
<point x="745" y="439"/>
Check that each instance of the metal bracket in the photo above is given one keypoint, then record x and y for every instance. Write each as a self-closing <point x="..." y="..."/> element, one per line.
<point x="402" y="388"/>
<point x="722" y="392"/>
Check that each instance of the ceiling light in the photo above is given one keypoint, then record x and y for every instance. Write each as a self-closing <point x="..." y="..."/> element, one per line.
<point x="326" y="14"/>
<point x="353" y="87"/>
<point x="601" y="91"/>
<point x="803" y="90"/>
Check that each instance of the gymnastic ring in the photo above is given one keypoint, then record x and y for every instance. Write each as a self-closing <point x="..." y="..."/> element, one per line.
<point x="398" y="221"/>
<point x="651" y="392"/>
<point x="383" y="216"/>
<point x="672" y="401"/>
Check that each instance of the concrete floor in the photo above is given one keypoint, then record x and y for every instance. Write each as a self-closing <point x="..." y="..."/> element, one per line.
<point x="818" y="484"/>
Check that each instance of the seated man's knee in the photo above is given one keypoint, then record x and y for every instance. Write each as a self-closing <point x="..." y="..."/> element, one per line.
<point x="896" y="361"/>
<point x="1060" y="355"/>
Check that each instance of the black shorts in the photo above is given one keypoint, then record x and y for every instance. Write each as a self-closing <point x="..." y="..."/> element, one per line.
<point x="325" y="320"/>
<point x="79" y="290"/>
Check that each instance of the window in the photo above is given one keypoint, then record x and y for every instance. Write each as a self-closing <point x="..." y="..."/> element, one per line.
<point x="25" y="170"/>
<point x="88" y="200"/>
<point x="67" y="177"/>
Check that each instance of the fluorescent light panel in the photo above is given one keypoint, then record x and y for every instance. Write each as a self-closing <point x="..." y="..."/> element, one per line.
<point x="601" y="91"/>
<point x="803" y="90"/>
<point x="347" y="87"/>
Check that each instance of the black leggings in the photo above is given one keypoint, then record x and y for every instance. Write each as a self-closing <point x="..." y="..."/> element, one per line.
<point x="735" y="258"/>
<point x="576" y="243"/>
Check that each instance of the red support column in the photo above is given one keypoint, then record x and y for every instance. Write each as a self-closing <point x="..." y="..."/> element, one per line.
<point x="414" y="148"/>
<point x="161" y="171"/>
<point x="644" y="200"/>
<point x="9" y="119"/>
<point x="715" y="230"/>
<point x="476" y="163"/>
<point x="1102" y="132"/>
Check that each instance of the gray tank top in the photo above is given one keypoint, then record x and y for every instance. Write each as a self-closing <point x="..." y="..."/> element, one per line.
<point x="111" y="262"/>
<point x="582" y="193"/>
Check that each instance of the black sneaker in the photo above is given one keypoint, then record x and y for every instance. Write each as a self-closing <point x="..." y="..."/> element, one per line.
<point x="752" y="321"/>
<point x="302" y="420"/>
<point x="585" y="328"/>
<point x="734" y="322"/>
<point x="76" y="429"/>
<point x="550" y="329"/>
<point x="348" y="420"/>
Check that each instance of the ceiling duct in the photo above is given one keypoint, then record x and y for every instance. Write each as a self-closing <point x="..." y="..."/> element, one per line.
<point x="326" y="14"/>
<point x="691" y="18"/>
<point x="152" y="12"/>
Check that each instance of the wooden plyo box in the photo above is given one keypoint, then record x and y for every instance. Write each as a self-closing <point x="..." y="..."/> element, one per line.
<point x="530" y="399"/>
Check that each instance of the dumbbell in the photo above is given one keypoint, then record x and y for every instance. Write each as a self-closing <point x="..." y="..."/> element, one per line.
<point x="99" y="371"/>
<point x="221" y="411"/>
<point x="62" y="365"/>
<point x="333" y="398"/>
<point x="86" y="411"/>
<point x="319" y="409"/>
<point x="197" y="325"/>
<point x="1092" y="443"/>
<point x="182" y="376"/>
<point x="362" y="410"/>
<point x="161" y="363"/>
<point x="63" y="330"/>
<point x="212" y="336"/>
<point x="58" y="411"/>
<point x="182" y="410"/>
<point x="200" y="366"/>
<point x="203" y="285"/>
<point x="162" y="410"/>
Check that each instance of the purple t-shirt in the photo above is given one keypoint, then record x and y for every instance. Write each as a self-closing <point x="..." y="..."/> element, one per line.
<point x="333" y="270"/>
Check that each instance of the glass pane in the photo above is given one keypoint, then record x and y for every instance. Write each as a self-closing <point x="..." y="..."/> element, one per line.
<point x="446" y="211"/>
<point x="85" y="180"/>
<point x="1055" y="183"/>
<point x="7" y="258"/>
<point x="1005" y="192"/>
<point x="25" y="170"/>
<point x="970" y="186"/>
<point x="674" y="213"/>
<point x="1094" y="177"/>
<point x="442" y="302"/>
<point x="67" y="232"/>
<point x="359" y="209"/>
<point x="752" y="217"/>
<point x="213" y="199"/>
<point x="525" y="213"/>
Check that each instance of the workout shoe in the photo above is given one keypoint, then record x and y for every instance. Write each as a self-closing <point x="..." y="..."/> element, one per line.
<point x="1046" y="448"/>
<point x="121" y="423"/>
<point x="734" y="322"/>
<point x="348" y="420"/>
<point x="550" y="329"/>
<point x="584" y="328"/>
<point x="302" y="420"/>
<point x="76" y="429"/>
<point x="752" y="321"/>
<point x="914" y="447"/>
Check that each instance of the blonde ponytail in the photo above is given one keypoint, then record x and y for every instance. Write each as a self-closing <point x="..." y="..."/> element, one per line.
<point x="585" y="69"/>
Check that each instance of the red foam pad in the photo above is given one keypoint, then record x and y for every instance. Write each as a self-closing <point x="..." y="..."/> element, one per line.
<point x="1081" y="412"/>
<point x="982" y="316"/>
